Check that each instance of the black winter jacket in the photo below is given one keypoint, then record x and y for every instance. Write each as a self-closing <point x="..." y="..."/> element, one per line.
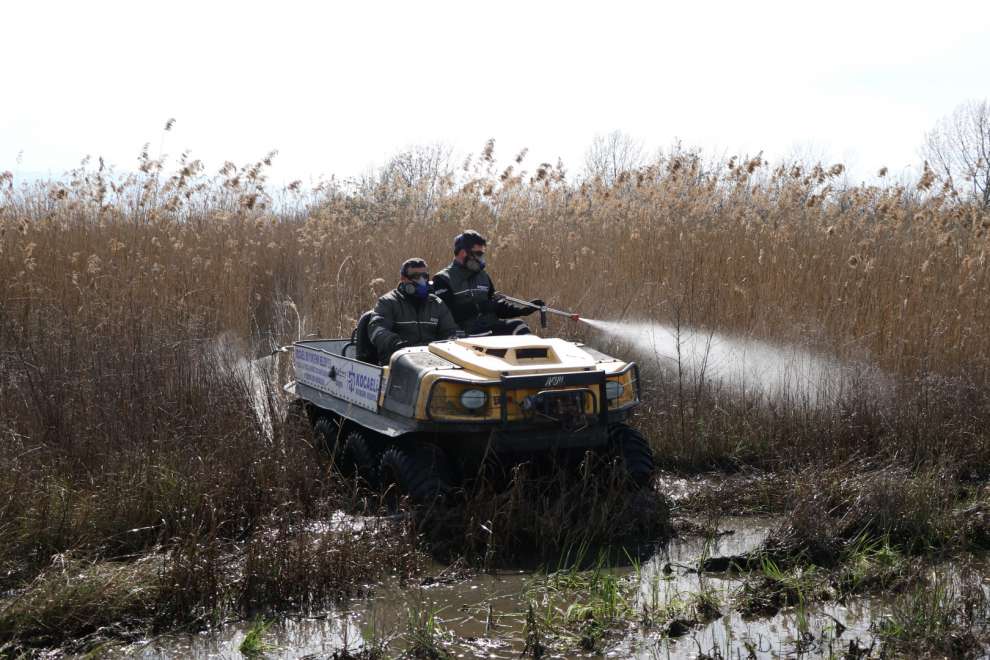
<point x="402" y="318"/>
<point x="471" y="299"/>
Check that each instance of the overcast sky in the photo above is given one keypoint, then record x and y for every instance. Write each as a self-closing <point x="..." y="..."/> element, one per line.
<point x="338" y="87"/>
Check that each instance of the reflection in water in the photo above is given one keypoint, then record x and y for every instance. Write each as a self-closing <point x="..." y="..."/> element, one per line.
<point x="483" y="616"/>
<point x="289" y="638"/>
<point x="671" y="581"/>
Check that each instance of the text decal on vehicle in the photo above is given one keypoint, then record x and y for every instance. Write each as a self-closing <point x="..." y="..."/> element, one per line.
<point x="345" y="379"/>
<point x="554" y="381"/>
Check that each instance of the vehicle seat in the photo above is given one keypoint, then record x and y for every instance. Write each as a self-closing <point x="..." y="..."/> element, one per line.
<point x="365" y="350"/>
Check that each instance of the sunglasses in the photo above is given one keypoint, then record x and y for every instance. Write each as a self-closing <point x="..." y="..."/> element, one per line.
<point x="418" y="276"/>
<point x="478" y="253"/>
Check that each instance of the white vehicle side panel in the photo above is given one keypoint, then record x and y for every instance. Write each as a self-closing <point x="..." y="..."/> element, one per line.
<point x="355" y="382"/>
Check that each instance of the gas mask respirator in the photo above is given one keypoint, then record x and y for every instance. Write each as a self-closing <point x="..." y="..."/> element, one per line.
<point x="475" y="264"/>
<point x="419" y="288"/>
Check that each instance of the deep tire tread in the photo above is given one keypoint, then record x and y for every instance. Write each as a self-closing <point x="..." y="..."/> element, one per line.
<point x="326" y="432"/>
<point x="359" y="457"/>
<point x="637" y="457"/>
<point x="422" y="472"/>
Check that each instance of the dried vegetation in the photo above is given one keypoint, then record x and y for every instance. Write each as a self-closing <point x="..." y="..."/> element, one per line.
<point x="128" y="428"/>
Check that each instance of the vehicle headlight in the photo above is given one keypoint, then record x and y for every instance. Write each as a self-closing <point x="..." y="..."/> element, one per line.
<point x="613" y="389"/>
<point x="473" y="399"/>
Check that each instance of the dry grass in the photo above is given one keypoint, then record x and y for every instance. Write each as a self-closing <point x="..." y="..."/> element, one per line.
<point x="123" y="432"/>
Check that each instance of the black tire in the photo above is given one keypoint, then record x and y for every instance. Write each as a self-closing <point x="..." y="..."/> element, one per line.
<point x="359" y="457"/>
<point x="326" y="431"/>
<point x="298" y="421"/>
<point x="313" y="413"/>
<point x="422" y="472"/>
<point x="629" y="445"/>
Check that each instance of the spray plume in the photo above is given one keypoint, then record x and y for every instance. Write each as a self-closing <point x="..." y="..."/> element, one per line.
<point x="744" y="365"/>
<point x="256" y="377"/>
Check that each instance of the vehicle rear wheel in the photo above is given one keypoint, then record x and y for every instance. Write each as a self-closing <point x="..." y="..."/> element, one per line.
<point x="422" y="472"/>
<point x="298" y="420"/>
<point x="327" y="435"/>
<point x="629" y="445"/>
<point x="360" y="458"/>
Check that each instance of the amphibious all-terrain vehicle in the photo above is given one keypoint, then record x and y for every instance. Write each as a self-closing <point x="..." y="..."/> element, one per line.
<point x="434" y="414"/>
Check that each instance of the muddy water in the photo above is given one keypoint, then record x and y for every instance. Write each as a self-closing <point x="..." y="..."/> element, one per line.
<point x="483" y="616"/>
<point x="672" y="577"/>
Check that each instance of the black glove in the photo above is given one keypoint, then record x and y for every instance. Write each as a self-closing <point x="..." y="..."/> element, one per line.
<point x="396" y="345"/>
<point x="538" y="305"/>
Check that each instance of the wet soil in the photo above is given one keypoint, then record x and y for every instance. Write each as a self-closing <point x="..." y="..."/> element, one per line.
<point x="483" y="616"/>
<point x="684" y="600"/>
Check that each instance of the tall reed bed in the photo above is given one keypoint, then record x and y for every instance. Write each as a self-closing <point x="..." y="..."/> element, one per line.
<point x="124" y="429"/>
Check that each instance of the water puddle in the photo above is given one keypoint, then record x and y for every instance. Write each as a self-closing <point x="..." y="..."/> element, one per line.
<point x="484" y="616"/>
<point x="476" y="618"/>
<point x="288" y="638"/>
<point x="671" y="583"/>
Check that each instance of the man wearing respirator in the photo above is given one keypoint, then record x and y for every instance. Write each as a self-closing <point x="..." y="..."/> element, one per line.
<point x="409" y="315"/>
<point x="470" y="294"/>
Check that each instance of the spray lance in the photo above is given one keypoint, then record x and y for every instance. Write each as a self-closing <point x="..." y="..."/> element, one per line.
<point x="544" y="310"/>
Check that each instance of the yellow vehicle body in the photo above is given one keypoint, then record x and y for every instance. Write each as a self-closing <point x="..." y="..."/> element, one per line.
<point x="485" y="362"/>
<point x="453" y="403"/>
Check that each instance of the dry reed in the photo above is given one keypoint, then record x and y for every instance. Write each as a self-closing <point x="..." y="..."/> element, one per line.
<point x="121" y="434"/>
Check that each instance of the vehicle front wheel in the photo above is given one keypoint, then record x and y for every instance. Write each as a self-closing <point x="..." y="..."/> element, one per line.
<point x="631" y="447"/>
<point x="422" y="472"/>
